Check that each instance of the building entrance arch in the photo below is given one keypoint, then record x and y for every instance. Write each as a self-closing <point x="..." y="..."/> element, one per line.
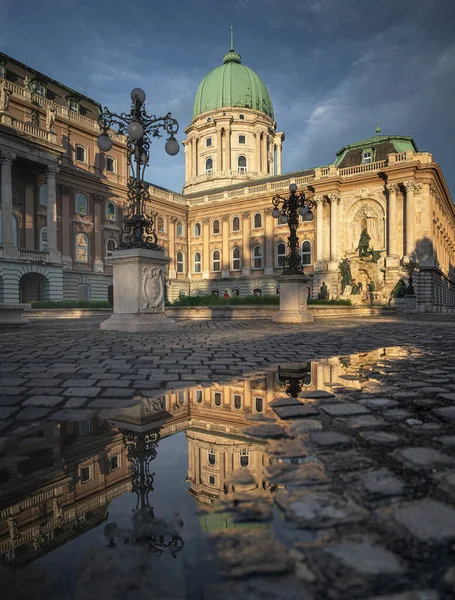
<point x="34" y="287"/>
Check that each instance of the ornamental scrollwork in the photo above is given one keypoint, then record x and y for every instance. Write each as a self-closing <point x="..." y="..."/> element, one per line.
<point x="152" y="289"/>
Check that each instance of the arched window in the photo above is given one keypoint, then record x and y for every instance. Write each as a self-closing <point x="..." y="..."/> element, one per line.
<point x="257" y="257"/>
<point x="161" y="225"/>
<point x="217" y="399"/>
<point x="197" y="230"/>
<point x="257" y="292"/>
<point x="15" y="224"/>
<point x="209" y="165"/>
<point x="111" y="211"/>
<point x="211" y="457"/>
<point x="215" y="293"/>
<point x="43" y="195"/>
<point x="306" y="253"/>
<point x="180" y="264"/>
<point x="257" y="221"/>
<point x="237" y="401"/>
<point x="81" y="154"/>
<point x="235" y="292"/>
<point x="110" y="164"/>
<point x="215" y="226"/>
<point x="111" y="246"/>
<point x="85" y="427"/>
<point x="83" y="292"/>
<point x="244" y="458"/>
<point x="81" y="204"/>
<point x="235" y="223"/>
<point x="208" y="142"/>
<point x="199" y="396"/>
<point x="197" y="262"/>
<point x="216" y="262"/>
<point x="280" y="254"/>
<point x="241" y="163"/>
<point x="81" y="248"/>
<point x="180" y="229"/>
<point x="236" y="263"/>
<point x="43" y="239"/>
<point x="259" y="404"/>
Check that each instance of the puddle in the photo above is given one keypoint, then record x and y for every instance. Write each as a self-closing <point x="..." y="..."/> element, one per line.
<point x="155" y="481"/>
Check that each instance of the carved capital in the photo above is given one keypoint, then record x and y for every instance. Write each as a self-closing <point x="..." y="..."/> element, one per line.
<point x="225" y="218"/>
<point x="392" y="188"/>
<point x="335" y="197"/>
<point x="417" y="187"/>
<point x="173" y="219"/>
<point x="205" y="221"/>
<point x="66" y="191"/>
<point x="98" y="198"/>
<point x="408" y="186"/>
<point x="319" y="200"/>
<point x="29" y="181"/>
<point x="268" y="212"/>
<point x="52" y="171"/>
<point x="246" y="214"/>
<point x="7" y="157"/>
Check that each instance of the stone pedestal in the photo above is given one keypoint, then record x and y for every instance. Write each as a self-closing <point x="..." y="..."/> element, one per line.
<point x="139" y="292"/>
<point x="293" y="300"/>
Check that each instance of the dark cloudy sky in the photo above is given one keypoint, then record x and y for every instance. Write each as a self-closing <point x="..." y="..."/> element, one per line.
<point x="334" y="68"/>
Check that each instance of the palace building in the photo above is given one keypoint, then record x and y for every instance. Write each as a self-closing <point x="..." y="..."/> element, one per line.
<point x="62" y="201"/>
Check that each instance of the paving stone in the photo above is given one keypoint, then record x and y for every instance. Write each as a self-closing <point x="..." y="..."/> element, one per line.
<point x="31" y="414"/>
<point x="315" y="510"/>
<point x="79" y="383"/>
<point x="293" y="412"/>
<point x="10" y="400"/>
<point x="76" y="402"/>
<point x="427" y="520"/>
<point x="446" y="413"/>
<point x="409" y="595"/>
<point x="396" y="414"/>
<point x="304" y="426"/>
<point x="360" y="421"/>
<point x="381" y="483"/>
<point x="330" y="438"/>
<point x="447" y="396"/>
<point x="45" y="381"/>
<point x="366" y="558"/>
<point x="266" y="431"/>
<point x="12" y="390"/>
<point x="7" y="411"/>
<point x="86" y="392"/>
<point x="432" y="389"/>
<point x="47" y="400"/>
<point x="12" y="381"/>
<point x="258" y="588"/>
<point x="316" y="394"/>
<point x="446" y="440"/>
<point x="73" y="414"/>
<point x="286" y="401"/>
<point x="378" y="403"/>
<point x="417" y="457"/>
<point x="407" y="395"/>
<point x="304" y="475"/>
<point x="343" y="408"/>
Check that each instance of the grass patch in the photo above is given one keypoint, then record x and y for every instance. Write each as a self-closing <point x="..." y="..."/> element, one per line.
<point x="70" y="304"/>
<point x="210" y="300"/>
<point x="329" y="302"/>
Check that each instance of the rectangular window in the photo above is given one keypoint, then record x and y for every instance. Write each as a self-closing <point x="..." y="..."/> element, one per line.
<point x="242" y="139"/>
<point x="74" y="106"/>
<point x="211" y="480"/>
<point x="40" y="90"/>
<point x="208" y="142"/>
<point x="367" y="158"/>
<point x="86" y="474"/>
<point x="80" y="154"/>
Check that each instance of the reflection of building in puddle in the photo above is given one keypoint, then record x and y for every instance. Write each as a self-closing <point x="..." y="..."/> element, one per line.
<point x="61" y="489"/>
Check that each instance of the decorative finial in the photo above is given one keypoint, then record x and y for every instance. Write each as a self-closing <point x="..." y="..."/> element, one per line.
<point x="378" y="129"/>
<point x="232" y="38"/>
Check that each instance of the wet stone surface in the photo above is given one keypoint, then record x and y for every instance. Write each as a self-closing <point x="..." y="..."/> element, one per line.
<point x="344" y="488"/>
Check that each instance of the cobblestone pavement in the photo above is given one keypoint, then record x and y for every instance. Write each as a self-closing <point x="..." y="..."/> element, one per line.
<point x="364" y="477"/>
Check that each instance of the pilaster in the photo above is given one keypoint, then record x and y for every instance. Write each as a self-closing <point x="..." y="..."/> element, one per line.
<point x="206" y="253"/>
<point x="269" y="222"/>
<point x="246" y="244"/>
<point x="54" y="254"/>
<point x="9" y="249"/>
<point x="98" y="264"/>
<point x="392" y="255"/>
<point x="225" y="263"/>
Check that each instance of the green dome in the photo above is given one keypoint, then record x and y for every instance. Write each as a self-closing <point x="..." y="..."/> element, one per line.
<point x="232" y="84"/>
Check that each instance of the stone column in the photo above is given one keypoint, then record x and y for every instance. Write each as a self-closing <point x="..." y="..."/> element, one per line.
<point x="278" y="159"/>
<point x="269" y="222"/>
<point x="29" y="213"/>
<point x="265" y="154"/>
<point x="193" y="158"/>
<point x="258" y="152"/>
<point x="98" y="263"/>
<point x="228" y="160"/>
<point x="172" y="254"/>
<point x="246" y="255"/>
<point x="411" y="188"/>
<point x="319" y="231"/>
<point x="392" y="256"/>
<point x="54" y="254"/>
<point x="225" y="264"/>
<point x="66" y="228"/>
<point x="334" y="201"/>
<point x="186" y="149"/>
<point x="219" y="150"/>
<point x="206" y="252"/>
<point x="9" y="249"/>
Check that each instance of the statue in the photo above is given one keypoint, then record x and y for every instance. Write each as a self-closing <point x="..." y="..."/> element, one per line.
<point x="364" y="242"/>
<point x="398" y="291"/>
<point x="357" y="288"/>
<point x="345" y="272"/>
<point x="324" y="292"/>
<point x="50" y="118"/>
<point x="4" y="97"/>
<point x="375" y="255"/>
<point x="371" y="286"/>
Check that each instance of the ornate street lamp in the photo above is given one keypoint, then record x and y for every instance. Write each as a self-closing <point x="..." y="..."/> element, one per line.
<point x="293" y="377"/>
<point x="410" y="265"/>
<point x="297" y="204"/>
<point x="138" y="226"/>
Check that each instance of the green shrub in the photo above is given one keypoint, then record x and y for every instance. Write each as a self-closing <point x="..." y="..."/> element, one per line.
<point x="70" y="304"/>
<point x="330" y="302"/>
<point x="210" y="300"/>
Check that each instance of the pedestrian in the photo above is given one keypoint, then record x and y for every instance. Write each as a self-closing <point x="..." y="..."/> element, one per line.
<point x="226" y="294"/>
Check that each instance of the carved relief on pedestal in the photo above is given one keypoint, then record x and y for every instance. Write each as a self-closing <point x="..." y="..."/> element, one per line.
<point x="303" y="296"/>
<point x="152" y="289"/>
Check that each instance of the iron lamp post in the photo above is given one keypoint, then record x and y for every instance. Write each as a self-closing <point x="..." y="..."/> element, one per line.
<point x="293" y="206"/>
<point x="410" y="266"/>
<point x="138" y="225"/>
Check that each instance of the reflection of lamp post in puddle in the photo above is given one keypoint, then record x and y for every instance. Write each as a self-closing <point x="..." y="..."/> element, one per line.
<point x="161" y="535"/>
<point x="294" y="377"/>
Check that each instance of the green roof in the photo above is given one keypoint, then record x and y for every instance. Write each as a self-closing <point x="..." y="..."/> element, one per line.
<point x="232" y="85"/>
<point x="400" y="142"/>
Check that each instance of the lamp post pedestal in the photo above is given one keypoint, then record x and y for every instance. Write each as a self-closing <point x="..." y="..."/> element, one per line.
<point x="293" y="299"/>
<point x="139" y="292"/>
